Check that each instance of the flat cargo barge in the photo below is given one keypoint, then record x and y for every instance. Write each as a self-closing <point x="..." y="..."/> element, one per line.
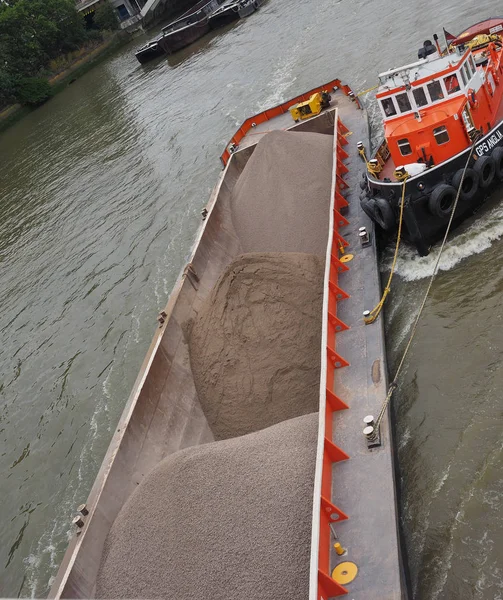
<point x="352" y="525"/>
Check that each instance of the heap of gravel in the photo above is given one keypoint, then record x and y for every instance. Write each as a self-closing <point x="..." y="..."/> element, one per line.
<point x="281" y="200"/>
<point x="227" y="520"/>
<point x="255" y="344"/>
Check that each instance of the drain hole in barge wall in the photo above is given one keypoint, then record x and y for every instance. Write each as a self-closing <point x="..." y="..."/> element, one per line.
<point x="255" y="345"/>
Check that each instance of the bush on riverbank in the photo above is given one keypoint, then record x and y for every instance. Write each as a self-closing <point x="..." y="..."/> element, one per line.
<point x="33" y="91"/>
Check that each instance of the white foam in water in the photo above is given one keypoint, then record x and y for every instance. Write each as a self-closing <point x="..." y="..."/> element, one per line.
<point x="478" y="237"/>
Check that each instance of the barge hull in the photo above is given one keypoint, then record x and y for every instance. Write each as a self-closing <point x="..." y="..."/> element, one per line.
<point x="163" y="414"/>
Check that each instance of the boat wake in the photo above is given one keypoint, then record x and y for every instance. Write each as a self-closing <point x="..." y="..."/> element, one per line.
<point x="475" y="238"/>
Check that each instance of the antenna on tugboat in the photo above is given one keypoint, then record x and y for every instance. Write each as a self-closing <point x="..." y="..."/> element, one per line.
<point x="435" y="37"/>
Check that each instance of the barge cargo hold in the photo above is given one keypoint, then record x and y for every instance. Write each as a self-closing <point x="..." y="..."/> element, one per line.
<point x="353" y="494"/>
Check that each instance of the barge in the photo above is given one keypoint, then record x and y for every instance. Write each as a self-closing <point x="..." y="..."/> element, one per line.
<point x="232" y="11"/>
<point x="353" y="523"/>
<point x="443" y="129"/>
<point x="189" y="28"/>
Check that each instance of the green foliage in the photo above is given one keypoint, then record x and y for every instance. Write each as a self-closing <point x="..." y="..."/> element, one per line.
<point x="32" y="32"/>
<point x="8" y="86"/>
<point x="105" y="17"/>
<point x="33" y="91"/>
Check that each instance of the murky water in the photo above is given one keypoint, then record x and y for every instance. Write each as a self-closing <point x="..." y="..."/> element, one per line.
<point x="100" y="193"/>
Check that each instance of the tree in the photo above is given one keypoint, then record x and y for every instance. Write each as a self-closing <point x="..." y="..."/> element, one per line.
<point x="105" y="17"/>
<point x="8" y="88"/>
<point x="32" y="33"/>
<point x="35" y="31"/>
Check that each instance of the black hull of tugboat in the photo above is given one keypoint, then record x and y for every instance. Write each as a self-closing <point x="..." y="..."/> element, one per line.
<point x="429" y="196"/>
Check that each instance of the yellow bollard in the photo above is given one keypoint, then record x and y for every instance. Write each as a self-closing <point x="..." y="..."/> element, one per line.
<point x="339" y="549"/>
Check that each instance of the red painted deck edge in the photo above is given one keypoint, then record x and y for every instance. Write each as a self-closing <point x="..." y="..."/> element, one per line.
<point x="270" y="113"/>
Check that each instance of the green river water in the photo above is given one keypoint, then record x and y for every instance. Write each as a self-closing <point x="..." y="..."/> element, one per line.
<point x="100" y="195"/>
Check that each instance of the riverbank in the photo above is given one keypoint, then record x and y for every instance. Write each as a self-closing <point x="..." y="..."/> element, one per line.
<point x="60" y="80"/>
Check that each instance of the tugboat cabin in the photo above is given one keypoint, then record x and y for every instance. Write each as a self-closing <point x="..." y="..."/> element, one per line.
<point x="433" y="108"/>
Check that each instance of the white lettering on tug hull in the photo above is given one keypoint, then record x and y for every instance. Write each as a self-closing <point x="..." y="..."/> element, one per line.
<point x="488" y="144"/>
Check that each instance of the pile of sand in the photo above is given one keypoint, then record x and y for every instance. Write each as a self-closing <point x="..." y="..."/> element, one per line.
<point x="255" y="344"/>
<point x="223" y="521"/>
<point x="281" y="200"/>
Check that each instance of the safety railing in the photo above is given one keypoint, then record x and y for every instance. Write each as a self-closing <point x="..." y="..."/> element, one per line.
<point x="271" y="113"/>
<point x="322" y="586"/>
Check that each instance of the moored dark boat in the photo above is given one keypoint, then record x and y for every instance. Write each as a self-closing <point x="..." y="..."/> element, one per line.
<point x="249" y="7"/>
<point x="149" y="51"/>
<point x="443" y="127"/>
<point x="232" y="11"/>
<point x="188" y="28"/>
<point x="224" y="15"/>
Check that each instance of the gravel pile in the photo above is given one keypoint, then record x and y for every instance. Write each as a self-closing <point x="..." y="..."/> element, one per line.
<point x="255" y="345"/>
<point x="227" y="520"/>
<point x="281" y="200"/>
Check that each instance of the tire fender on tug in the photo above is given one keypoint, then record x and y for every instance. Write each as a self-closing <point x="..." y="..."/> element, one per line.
<point x="442" y="200"/>
<point x="498" y="162"/>
<point x="485" y="168"/>
<point x="470" y="184"/>
<point x="380" y="211"/>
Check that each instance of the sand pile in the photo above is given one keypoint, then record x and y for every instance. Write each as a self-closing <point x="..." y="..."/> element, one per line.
<point x="281" y="200"/>
<point x="255" y="344"/>
<point x="227" y="520"/>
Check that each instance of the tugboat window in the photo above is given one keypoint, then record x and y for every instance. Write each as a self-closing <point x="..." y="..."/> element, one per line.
<point x="463" y="76"/>
<point x="388" y="107"/>
<point x="420" y="97"/>
<point x="451" y="84"/>
<point x="403" y="102"/>
<point x="467" y="71"/>
<point x="441" y="135"/>
<point x="404" y="146"/>
<point x="435" y="90"/>
<point x="472" y="64"/>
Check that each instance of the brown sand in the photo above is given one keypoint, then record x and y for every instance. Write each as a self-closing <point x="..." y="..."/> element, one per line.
<point x="281" y="200"/>
<point x="223" y="521"/>
<point x="255" y="345"/>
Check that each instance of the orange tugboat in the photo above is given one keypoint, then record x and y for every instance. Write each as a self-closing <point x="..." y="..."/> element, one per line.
<point x="443" y="128"/>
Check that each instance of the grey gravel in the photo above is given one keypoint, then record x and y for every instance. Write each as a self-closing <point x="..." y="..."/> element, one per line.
<point x="229" y="520"/>
<point x="281" y="200"/>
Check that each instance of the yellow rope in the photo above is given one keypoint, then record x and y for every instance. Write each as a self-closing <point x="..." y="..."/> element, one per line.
<point x="367" y="91"/>
<point x="394" y="384"/>
<point x="370" y="168"/>
<point x="374" y="313"/>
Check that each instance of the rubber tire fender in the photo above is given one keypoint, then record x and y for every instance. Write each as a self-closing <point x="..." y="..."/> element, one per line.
<point x="380" y="211"/>
<point x="485" y="167"/>
<point x="470" y="184"/>
<point x="498" y="161"/>
<point x="437" y="198"/>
